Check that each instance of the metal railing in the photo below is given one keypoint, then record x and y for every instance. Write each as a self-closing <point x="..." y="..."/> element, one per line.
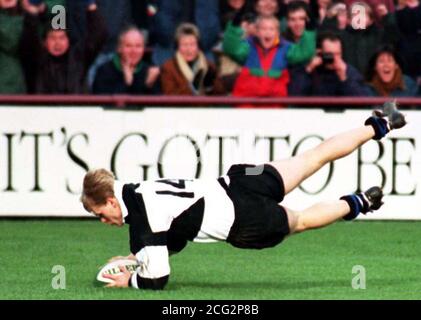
<point x="122" y="101"/>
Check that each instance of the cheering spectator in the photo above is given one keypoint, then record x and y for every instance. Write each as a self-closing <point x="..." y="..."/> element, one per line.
<point x="377" y="16"/>
<point x="127" y="72"/>
<point x="54" y="65"/>
<point x="336" y="19"/>
<point x="228" y="68"/>
<point x="297" y="15"/>
<point x="327" y="74"/>
<point x="364" y="39"/>
<point x="265" y="58"/>
<point x="406" y="22"/>
<point x="170" y="13"/>
<point x="385" y="77"/>
<point x="12" y="78"/>
<point x="188" y="72"/>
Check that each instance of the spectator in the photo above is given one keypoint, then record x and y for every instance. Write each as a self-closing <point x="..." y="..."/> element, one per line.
<point x="228" y="68"/>
<point x="229" y="8"/>
<point x="265" y="58"/>
<point x="297" y="16"/>
<point x="54" y="65"/>
<point x="127" y="73"/>
<point x="385" y="77"/>
<point x="267" y="8"/>
<point x="116" y="14"/>
<point x="365" y="39"/>
<point x="12" y="80"/>
<point x="188" y="72"/>
<point x="322" y="10"/>
<point x="406" y="22"/>
<point x="327" y="74"/>
<point x="374" y="5"/>
<point x="336" y="19"/>
<point x="170" y="13"/>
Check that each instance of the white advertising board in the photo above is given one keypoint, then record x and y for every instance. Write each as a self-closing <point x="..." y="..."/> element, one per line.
<point x="45" y="152"/>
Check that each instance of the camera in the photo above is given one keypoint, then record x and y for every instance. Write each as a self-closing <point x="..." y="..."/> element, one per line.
<point x="327" y="58"/>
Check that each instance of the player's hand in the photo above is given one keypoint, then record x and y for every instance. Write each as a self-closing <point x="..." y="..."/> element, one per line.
<point x="119" y="281"/>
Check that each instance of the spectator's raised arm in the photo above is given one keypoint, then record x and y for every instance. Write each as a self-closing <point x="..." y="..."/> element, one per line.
<point x="96" y="34"/>
<point x="234" y="44"/>
<point x="31" y="42"/>
<point x="303" y="50"/>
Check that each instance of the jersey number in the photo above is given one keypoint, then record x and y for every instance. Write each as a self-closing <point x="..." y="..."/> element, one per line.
<point x="178" y="184"/>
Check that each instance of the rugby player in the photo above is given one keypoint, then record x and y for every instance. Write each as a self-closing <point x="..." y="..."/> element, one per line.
<point x="242" y="208"/>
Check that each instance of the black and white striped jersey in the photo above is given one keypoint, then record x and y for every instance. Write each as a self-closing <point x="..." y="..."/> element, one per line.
<point x="164" y="214"/>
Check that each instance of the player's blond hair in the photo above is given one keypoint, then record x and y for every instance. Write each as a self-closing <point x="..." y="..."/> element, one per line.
<point x="98" y="185"/>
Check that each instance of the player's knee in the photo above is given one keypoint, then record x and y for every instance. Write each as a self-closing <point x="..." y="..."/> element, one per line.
<point x="295" y="222"/>
<point x="301" y="224"/>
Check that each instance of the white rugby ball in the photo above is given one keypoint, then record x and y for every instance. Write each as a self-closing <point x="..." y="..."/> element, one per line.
<point x="113" y="268"/>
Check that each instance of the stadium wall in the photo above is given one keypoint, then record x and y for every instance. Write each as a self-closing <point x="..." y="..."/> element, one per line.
<point x="45" y="152"/>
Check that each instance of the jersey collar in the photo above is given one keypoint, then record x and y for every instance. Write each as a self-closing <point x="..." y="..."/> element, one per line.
<point x="118" y="193"/>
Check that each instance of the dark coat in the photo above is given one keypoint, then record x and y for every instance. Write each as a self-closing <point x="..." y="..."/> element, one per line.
<point x="109" y="79"/>
<point x="12" y="79"/>
<point x="66" y="74"/>
<point x="323" y="82"/>
<point x="360" y="45"/>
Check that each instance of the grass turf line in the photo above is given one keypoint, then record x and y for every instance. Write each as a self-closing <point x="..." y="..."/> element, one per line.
<point x="313" y="265"/>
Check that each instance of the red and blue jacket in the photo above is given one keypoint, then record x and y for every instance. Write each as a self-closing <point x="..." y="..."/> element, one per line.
<point x="265" y="71"/>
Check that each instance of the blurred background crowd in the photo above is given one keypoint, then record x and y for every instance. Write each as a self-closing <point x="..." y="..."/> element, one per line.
<point x="259" y="48"/>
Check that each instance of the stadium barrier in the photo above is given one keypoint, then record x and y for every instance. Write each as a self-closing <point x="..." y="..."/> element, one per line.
<point x="45" y="152"/>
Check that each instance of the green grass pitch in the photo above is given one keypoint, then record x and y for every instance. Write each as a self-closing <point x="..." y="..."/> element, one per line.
<point x="313" y="265"/>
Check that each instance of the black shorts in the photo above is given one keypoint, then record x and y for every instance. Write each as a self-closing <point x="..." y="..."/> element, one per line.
<point x="260" y="222"/>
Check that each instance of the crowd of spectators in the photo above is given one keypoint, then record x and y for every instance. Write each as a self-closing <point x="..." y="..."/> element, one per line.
<point x="259" y="48"/>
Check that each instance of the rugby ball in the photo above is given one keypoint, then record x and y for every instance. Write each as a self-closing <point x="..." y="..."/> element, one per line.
<point x="114" y="269"/>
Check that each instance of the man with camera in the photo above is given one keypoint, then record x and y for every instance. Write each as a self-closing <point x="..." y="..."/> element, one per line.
<point x="327" y="74"/>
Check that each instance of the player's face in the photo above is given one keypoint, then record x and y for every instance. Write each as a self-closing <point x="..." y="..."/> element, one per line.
<point x="57" y="43"/>
<point x="109" y="213"/>
<point x="268" y="32"/>
<point x="297" y="22"/>
<point x="132" y="48"/>
<point x="386" y="67"/>
<point x="188" y="47"/>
